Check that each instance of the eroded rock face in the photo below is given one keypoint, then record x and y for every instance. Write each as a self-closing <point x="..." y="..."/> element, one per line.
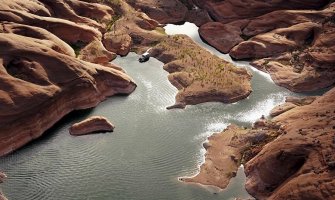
<point x="222" y="159"/>
<point x="2" y="197"/>
<point x="118" y="42"/>
<point x="299" y="163"/>
<point x="288" y="157"/>
<point x="38" y="86"/>
<point x="198" y="75"/>
<point x="2" y="179"/>
<point x="172" y="11"/>
<point x="92" y="125"/>
<point x="293" y="42"/>
<point x="43" y="45"/>
<point x="232" y="10"/>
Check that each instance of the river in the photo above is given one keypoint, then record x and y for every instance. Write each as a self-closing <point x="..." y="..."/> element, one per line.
<point x="150" y="148"/>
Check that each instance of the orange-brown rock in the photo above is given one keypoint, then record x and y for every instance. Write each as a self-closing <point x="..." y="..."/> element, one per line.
<point x="172" y="11"/>
<point x="118" y="42"/>
<point x="2" y="177"/>
<point x="46" y="55"/>
<point x="288" y="157"/>
<point x="227" y="150"/>
<point x="221" y="36"/>
<point x="199" y="75"/>
<point x="232" y="10"/>
<point x="281" y="109"/>
<point x="300" y="163"/>
<point x="95" y="52"/>
<point x="38" y="86"/>
<point x="91" y="125"/>
<point x="222" y="159"/>
<point x="292" y="42"/>
<point x="2" y="196"/>
<point x="165" y="11"/>
<point x="296" y="39"/>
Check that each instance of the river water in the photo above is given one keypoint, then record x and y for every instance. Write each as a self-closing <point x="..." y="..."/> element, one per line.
<point x="150" y="148"/>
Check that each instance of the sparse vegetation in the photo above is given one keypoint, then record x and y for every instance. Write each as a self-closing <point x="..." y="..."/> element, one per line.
<point x="201" y="65"/>
<point x="112" y="22"/>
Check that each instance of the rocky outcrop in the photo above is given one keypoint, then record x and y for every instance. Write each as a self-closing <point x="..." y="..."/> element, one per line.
<point x="227" y="150"/>
<point x="2" y="196"/>
<point x="290" y="41"/>
<point x="172" y="11"/>
<point x="300" y="163"/>
<point x="222" y="158"/>
<point x="290" y="103"/>
<point x="39" y="86"/>
<point x="232" y="10"/>
<point x="288" y="157"/>
<point x="44" y="49"/>
<point x="118" y="42"/>
<point x="91" y="125"/>
<point x="2" y="179"/>
<point x="198" y="75"/>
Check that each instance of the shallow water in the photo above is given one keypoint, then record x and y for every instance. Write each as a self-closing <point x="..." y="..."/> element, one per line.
<point x="150" y="148"/>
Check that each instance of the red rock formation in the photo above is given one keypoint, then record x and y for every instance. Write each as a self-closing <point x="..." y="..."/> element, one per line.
<point x="171" y="11"/>
<point x="2" y="196"/>
<point x="232" y="10"/>
<point x="41" y="78"/>
<point x="2" y="179"/>
<point x="41" y="85"/>
<point x="300" y="163"/>
<point x="295" y="41"/>
<point x="288" y="157"/>
<point x="222" y="159"/>
<point x="91" y="125"/>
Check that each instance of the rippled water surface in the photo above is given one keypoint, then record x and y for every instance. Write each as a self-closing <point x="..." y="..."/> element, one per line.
<point x="150" y="148"/>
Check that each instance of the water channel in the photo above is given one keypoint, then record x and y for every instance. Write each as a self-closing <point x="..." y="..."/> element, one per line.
<point x="150" y="148"/>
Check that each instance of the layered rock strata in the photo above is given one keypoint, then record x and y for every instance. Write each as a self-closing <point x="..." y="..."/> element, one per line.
<point x="293" y="42"/>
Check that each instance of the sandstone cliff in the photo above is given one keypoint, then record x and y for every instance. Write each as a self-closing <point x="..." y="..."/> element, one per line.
<point x="292" y="41"/>
<point x="288" y="157"/>
<point x="47" y="53"/>
<point x="300" y="163"/>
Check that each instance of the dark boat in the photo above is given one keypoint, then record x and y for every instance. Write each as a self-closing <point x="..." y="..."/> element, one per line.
<point x="144" y="57"/>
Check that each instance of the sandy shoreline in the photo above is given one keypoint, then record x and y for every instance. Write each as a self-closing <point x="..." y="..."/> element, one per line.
<point x="222" y="158"/>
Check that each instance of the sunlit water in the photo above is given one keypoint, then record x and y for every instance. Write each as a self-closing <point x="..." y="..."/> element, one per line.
<point x="150" y="148"/>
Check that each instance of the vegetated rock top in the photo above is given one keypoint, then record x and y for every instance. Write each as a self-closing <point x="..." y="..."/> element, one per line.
<point x="199" y="75"/>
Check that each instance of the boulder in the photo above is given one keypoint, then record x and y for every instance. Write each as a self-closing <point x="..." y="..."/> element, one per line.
<point x="91" y="125"/>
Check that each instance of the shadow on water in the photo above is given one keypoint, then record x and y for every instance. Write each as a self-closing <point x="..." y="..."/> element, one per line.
<point x="51" y="132"/>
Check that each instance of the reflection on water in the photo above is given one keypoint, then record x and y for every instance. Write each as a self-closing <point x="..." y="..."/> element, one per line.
<point x="150" y="148"/>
